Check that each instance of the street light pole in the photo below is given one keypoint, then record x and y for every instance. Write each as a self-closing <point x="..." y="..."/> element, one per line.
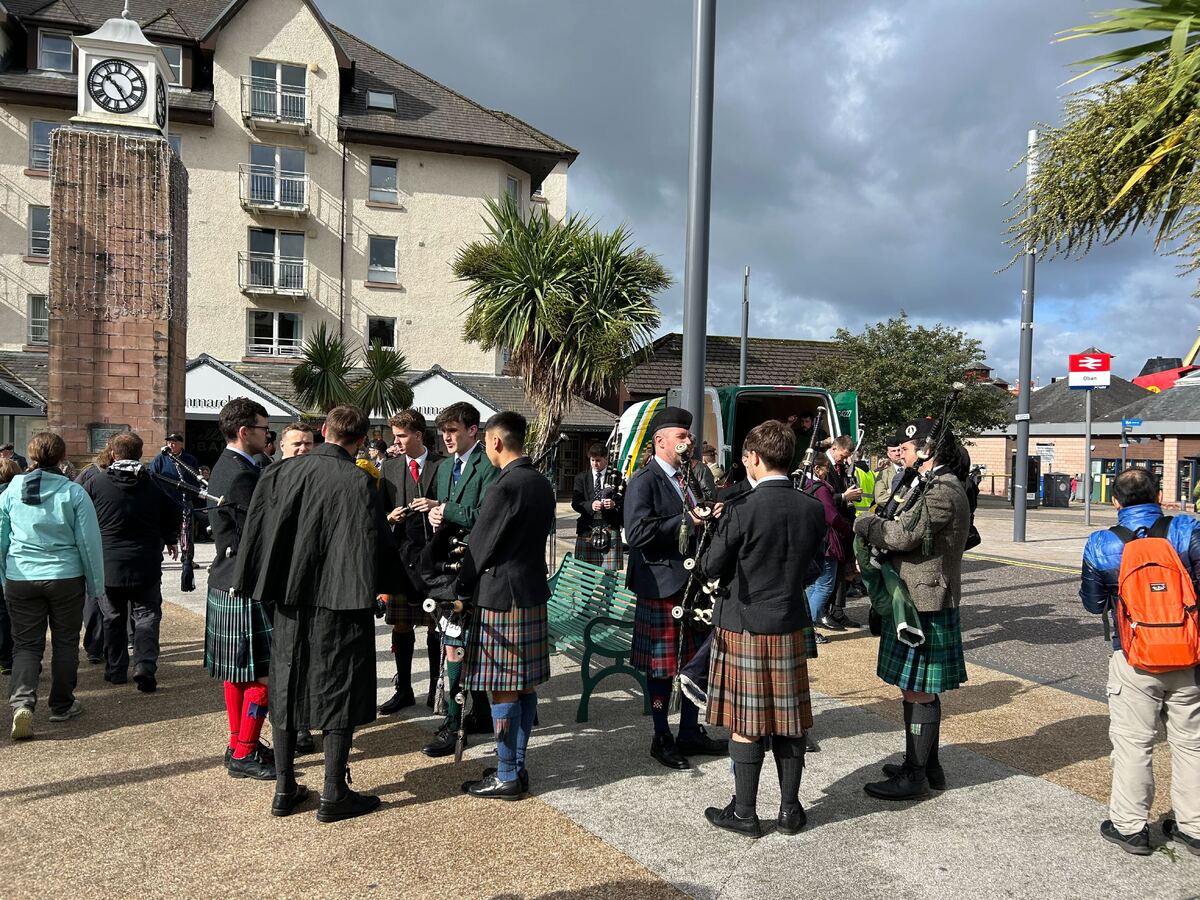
<point x="1124" y="446"/>
<point x="695" y="267"/>
<point x="745" y="326"/>
<point x="1021" y="468"/>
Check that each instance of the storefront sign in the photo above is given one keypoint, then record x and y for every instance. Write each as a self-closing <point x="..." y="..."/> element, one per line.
<point x="208" y="389"/>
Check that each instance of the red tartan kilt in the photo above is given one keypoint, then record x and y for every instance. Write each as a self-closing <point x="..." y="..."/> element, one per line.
<point x="758" y="684"/>
<point x="656" y="638"/>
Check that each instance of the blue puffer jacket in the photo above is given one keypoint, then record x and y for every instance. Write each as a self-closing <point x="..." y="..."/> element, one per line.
<point x="1102" y="555"/>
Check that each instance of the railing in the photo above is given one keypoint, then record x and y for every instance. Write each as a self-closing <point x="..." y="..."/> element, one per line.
<point x="39" y="242"/>
<point x="265" y="273"/>
<point x="39" y="331"/>
<point x="276" y="347"/>
<point x="39" y="158"/>
<point x="265" y="100"/>
<point x="263" y="188"/>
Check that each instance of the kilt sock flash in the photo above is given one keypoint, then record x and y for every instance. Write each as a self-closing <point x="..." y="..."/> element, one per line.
<point x="233" y="709"/>
<point x="747" y="768"/>
<point x="254" y="714"/>
<point x="660" y="701"/>
<point x="789" y="764"/>
<point x="525" y="728"/>
<point x="926" y="721"/>
<point x="506" y="717"/>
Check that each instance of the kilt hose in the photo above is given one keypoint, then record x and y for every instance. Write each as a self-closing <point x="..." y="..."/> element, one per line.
<point x="758" y="684"/>
<point x="613" y="558"/>
<point x="656" y="638"/>
<point x="511" y="651"/>
<point x="935" y="666"/>
<point x="237" y="637"/>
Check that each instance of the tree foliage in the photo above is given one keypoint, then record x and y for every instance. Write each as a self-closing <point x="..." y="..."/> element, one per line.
<point x="1127" y="153"/>
<point x="324" y="377"/>
<point x="901" y="372"/>
<point x="573" y="305"/>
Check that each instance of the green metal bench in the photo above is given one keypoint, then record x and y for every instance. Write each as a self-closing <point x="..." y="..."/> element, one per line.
<point x="591" y="615"/>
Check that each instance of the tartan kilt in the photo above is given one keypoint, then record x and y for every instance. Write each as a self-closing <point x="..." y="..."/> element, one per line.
<point x="400" y="611"/>
<point x="758" y="683"/>
<point x="511" y="649"/>
<point x="237" y="637"/>
<point x="656" y="638"/>
<point x="613" y="558"/>
<point x="935" y="666"/>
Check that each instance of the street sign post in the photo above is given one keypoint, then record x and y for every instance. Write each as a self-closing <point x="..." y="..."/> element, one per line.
<point x="1126" y="425"/>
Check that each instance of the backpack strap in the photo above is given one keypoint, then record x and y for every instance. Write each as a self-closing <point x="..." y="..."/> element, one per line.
<point x="1161" y="527"/>
<point x="1123" y="533"/>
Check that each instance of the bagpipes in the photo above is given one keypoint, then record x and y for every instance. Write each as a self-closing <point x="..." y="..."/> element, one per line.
<point x="187" y="576"/>
<point x="695" y="607"/>
<point x="612" y="488"/>
<point x="802" y="476"/>
<point x="200" y="489"/>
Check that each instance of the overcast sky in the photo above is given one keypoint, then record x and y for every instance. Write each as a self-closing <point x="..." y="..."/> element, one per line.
<point x="862" y="154"/>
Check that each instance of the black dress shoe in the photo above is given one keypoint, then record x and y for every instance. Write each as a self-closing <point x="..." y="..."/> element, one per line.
<point x="700" y="744"/>
<point x="491" y="787"/>
<point x="116" y="679"/>
<point x="522" y="776"/>
<point x="285" y="804"/>
<point x="663" y="749"/>
<point x="398" y="702"/>
<point x="147" y="684"/>
<point x="95" y="660"/>
<point x="907" y="784"/>
<point x="844" y="620"/>
<point x="830" y="623"/>
<point x="228" y="756"/>
<point x="791" y="822"/>
<point x="1138" y="844"/>
<point x="253" y="765"/>
<point x="305" y="743"/>
<point x="935" y="775"/>
<point x="443" y="742"/>
<point x="352" y="805"/>
<point x="810" y="743"/>
<point x="728" y="819"/>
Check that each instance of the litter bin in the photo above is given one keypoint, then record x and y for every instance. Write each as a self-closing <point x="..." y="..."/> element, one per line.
<point x="1056" y="491"/>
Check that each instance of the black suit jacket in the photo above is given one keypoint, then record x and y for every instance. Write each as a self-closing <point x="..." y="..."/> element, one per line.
<point x="653" y="516"/>
<point x="506" y="553"/>
<point x="233" y="479"/>
<point x="582" y="495"/>
<point x="763" y="546"/>
<point x="399" y="489"/>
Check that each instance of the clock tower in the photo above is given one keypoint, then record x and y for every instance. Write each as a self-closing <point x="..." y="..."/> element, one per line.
<point x="122" y="77"/>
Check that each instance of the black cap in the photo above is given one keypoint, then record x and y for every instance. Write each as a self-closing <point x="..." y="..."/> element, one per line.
<point x="914" y="430"/>
<point x="175" y="436"/>
<point x="8" y="446"/>
<point x="891" y="442"/>
<point x="670" y="417"/>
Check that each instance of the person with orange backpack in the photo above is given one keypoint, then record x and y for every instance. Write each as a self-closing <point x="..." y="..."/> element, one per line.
<point x="1143" y="576"/>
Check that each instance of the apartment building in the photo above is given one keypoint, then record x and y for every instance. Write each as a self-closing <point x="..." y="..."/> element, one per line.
<point x="329" y="182"/>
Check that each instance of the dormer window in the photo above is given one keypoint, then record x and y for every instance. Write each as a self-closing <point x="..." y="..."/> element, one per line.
<point x="56" y="53"/>
<point x="174" y="55"/>
<point x="381" y="100"/>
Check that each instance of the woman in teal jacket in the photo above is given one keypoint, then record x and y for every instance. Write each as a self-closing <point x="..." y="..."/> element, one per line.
<point x="50" y="553"/>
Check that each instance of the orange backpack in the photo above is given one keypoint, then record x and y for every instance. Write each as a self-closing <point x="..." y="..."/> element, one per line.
<point x="1156" y="602"/>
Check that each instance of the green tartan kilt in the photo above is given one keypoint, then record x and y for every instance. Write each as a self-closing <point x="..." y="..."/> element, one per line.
<point x="613" y="558"/>
<point x="937" y="665"/>
<point x="237" y="637"/>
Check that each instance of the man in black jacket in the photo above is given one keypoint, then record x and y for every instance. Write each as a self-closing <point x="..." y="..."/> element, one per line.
<point x="597" y="508"/>
<point x="136" y="521"/>
<point x="317" y="545"/>
<point x="237" y="629"/>
<point x="505" y="574"/>
<point x="763" y="638"/>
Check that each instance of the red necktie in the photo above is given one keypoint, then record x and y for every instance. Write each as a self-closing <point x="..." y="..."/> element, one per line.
<point x="415" y="469"/>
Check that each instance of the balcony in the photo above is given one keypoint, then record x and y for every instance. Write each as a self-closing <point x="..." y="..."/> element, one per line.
<point x="270" y="191"/>
<point x="270" y="105"/>
<point x="275" y="276"/>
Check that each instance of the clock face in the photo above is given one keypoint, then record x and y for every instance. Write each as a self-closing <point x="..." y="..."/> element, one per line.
<point x="160" y="104"/>
<point x="117" y="86"/>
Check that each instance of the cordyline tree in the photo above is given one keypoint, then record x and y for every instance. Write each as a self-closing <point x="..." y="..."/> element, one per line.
<point x="1126" y="154"/>
<point x="901" y="372"/>
<point x="574" y="306"/>
<point x="324" y="376"/>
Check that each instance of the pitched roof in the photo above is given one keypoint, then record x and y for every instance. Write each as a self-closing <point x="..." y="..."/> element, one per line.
<point x="768" y="361"/>
<point x="1057" y="402"/>
<point x="193" y="17"/>
<point x="1180" y="403"/>
<point x="66" y="86"/>
<point x="31" y="370"/>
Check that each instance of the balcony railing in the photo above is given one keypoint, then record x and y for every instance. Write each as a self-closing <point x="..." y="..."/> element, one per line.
<point x="39" y="242"/>
<point x="271" y="191"/>
<point x="289" y="347"/>
<point x="264" y="273"/>
<point x="267" y="103"/>
<point x="39" y="331"/>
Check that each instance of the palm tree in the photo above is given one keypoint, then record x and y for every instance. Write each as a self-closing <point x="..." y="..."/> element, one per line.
<point x="382" y="388"/>
<point x="574" y="306"/>
<point x="323" y="377"/>
<point x="1128" y="152"/>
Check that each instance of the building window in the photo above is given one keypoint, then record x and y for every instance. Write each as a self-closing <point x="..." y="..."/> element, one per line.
<point x="381" y="266"/>
<point x="176" y="143"/>
<point x="384" y="185"/>
<point x="276" y="259"/>
<point x="39" y="145"/>
<point x="273" y="333"/>
<point x="383" y="331"/>
<point x="39" y="231"/>
<point x="276" y="176"/>
<point x="38" y="330"/>
<point x="277" y="91"/>
<point x="174" y="55"/>
<point x="512" y="187"/>
<point x="381" y="100"/>
<point x="56" y="53"/>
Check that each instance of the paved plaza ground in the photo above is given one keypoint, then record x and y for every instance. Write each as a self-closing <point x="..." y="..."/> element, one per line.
<point x="131" y="798"/>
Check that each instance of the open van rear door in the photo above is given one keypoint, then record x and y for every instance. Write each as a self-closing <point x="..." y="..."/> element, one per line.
<point x="846" y="404"/>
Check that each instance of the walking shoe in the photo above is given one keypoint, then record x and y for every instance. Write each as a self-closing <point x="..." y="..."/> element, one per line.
<point x="352" y="805"/>
<point x="116" y="679"/>
<point x="443" y="742"/>
<point x="664" y="750"/>
<point x="147" y="684"/>
<point x="828" y="622"/>
<point x="305" y="743"/>
<point x="700" y="744"/>
<point x="1171" y="829"/>
<point x="22" y="726"/>
<point x="729" y="820"/>
<point x="810" y="743"/>
<point x="76" y="709"/>
<point x="1138" y="844"/>
<point x="820" y="638"/>
<point x="907" y="784"/>
<point x="95" y="660"/>
<point x="935" y="775"/>
<point x="285" y="804"/>
<point x="253" y="765"/>
<point x="491" y="787"/>
<point x="791" y="822"/>
<point x="842" y="619"/>
<point x="693" y="691"/>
